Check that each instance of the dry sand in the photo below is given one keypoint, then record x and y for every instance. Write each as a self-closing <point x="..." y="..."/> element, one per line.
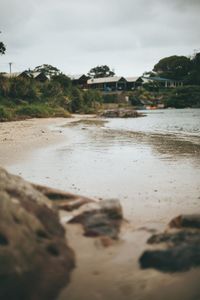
<point x="19" y="138"/>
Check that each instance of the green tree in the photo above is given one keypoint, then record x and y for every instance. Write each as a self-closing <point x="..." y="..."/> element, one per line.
<point x="23" y="89"/>
<point x="92" y="96"/>
<point x="100" y="72"/>
<point x="2" y="48"/>
<point x="51" y="90"/>
<point x="181" y="97"/>
<point x="63" y="80"/>
<point x="4" y="86"/>
<point x="77" y="101"/>
<point x="194" y="75"/>
<point x="174" y="67"/>
<point x="47" y="70"/>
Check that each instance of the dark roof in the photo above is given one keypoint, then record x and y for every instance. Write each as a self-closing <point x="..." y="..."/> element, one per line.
<point x="156" y="78"/>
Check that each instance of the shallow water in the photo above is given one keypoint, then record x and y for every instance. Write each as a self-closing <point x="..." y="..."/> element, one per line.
<point x="179" y="122"/>
<point x="152" y="164"/>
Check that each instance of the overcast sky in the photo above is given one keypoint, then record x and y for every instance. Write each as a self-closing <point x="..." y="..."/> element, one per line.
<point x="75" y="35"/>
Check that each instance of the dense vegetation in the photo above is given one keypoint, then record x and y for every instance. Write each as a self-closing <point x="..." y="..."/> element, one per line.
<point x="27" y="97"/>
<point x="182" y="68"/>
<point x="22" y="97"/>
<point x="100" y="72"/>
<point x="180" y="97"/>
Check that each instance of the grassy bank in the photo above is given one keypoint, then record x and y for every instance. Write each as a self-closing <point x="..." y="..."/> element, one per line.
<point x="22" y="98"/>
<point x="25" y="111"/>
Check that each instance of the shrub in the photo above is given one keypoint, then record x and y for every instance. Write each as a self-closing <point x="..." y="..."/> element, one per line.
<point x="21" y="88"/>
<point x="91" y="96"/>
<point x="60" y="112"/>
<point x="107" y="98"/>
<point x="34" y="111"/>
<point x="5" y="114"/>
<point x="181" y="97"/>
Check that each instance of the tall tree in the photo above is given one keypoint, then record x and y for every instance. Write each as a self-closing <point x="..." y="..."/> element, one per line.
<point x="2" y="48"/>
<point x="47" y="70"/>
<point x="100" y="72"/>
<point x="194" y="75"/>
<point x="63" y="80"/>
<point x="173" y="67"/>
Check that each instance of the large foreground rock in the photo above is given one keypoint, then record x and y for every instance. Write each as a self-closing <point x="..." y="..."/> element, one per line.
<point x="35" y="261"/>
<point x="182" y="246"/>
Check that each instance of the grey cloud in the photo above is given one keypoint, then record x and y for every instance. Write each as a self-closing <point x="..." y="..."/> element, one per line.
<point x="74" y="35"/>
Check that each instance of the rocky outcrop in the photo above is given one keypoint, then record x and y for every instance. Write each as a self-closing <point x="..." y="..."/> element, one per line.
<point x="104" y="220"/>
<point x="120" y="113"/>
<point x="182" y="246"/>
<point x="35" y="260"/>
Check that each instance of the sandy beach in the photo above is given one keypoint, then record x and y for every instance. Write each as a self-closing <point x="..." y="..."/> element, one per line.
<point x="19" y="138"/>
<point x="107" y="272"/>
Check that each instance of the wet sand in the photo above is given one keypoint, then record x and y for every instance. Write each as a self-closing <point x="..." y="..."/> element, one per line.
<point x="113" y="272"/>
<point x="156" y="177"/>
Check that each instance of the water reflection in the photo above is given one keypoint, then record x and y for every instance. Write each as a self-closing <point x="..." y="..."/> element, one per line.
<point x="169" y="146"/>
<point x="150" y="173"/>
<point x="183" y="123"/>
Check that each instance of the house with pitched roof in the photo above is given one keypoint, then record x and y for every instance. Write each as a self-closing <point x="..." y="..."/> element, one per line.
<point x="108" y="84"/>
<point x="79" y="80"/>
<point x="133" y="82"/>
<point x="28" y="75"/>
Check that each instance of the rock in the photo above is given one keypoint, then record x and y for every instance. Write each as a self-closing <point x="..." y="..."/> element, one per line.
<point x="121" y="113"/>
<point x="112" y="208"/>
<point x="192" y="221"/>
<point x="181" y="251"/>
<point x="102" y="221"/>
<point x="63" y="200"/>
<point x="35" y="260"/>
<point x="106" y="241"/>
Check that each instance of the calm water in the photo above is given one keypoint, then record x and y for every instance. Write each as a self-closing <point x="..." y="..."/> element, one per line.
<point x="182" y="123"/>
<point x="152" y="164"/>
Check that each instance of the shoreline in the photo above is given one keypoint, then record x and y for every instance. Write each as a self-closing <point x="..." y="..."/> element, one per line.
<point x="102" y="272"/>
<point x="19" y="139"/>
<point x="26" y="144"/>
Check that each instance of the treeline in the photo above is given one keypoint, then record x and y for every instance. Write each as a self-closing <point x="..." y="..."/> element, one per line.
<point x="183" y="97"/>
<point x="180" y="97"/>
<point x="27" y="97"/>
<point x="186" y="69"/>
<point x="179" y="68"/>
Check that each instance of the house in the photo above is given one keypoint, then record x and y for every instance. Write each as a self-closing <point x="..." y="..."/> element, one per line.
<point x="79" y="80"/>
<point x="39" y="76"/>
<point x="165" y="82"/>
<point x="12" y="75"/>
<point x="133" y="82"/>
<point x="28" y="75"/>
<point x="108" y="84"/>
